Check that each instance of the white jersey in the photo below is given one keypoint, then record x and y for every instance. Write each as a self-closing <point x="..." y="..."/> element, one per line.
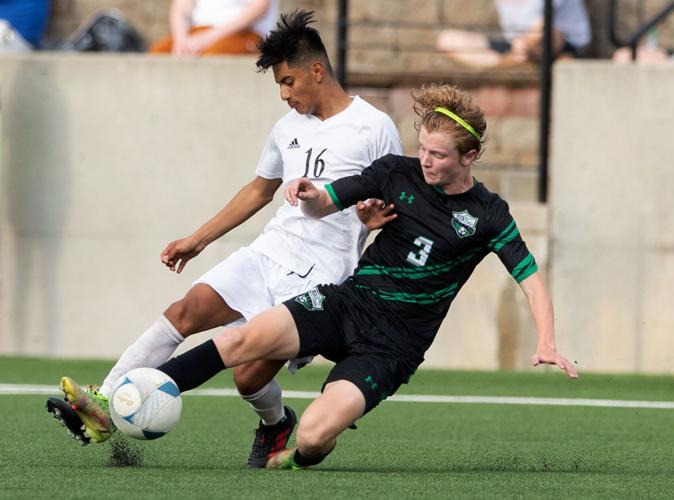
<point x="323" y="151"/>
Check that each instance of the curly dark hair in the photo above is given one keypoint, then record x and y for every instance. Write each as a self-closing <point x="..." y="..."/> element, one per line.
<point x="293" y="42"/>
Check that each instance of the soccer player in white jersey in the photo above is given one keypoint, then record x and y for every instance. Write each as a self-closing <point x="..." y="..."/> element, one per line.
<point x="325" y="136"/>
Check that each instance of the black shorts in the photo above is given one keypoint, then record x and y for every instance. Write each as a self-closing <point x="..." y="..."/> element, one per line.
<point x="331" y="323"/>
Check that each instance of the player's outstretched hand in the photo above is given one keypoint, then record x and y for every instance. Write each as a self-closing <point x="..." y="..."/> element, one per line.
<point x="300" y="189"/>
<point x="374" y="214"/>
<point x="553" y="358"/>
<point x="177" y="253"/>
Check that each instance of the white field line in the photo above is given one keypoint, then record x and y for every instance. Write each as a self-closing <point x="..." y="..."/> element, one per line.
<point x="20" y="389"/>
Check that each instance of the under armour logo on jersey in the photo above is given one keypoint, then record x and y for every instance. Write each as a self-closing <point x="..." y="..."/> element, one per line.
<point x="294" y="144"/>
<point x="404" y="196"/>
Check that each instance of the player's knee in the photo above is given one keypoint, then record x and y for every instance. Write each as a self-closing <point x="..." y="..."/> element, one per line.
<point x="232" y="342"/>
<point x="312" y="435"/>
<point x="187" y="315"/>
<point x="179" y="315"/>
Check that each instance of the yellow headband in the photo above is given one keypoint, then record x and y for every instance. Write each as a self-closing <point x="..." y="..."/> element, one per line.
<point x="458" y="120"/>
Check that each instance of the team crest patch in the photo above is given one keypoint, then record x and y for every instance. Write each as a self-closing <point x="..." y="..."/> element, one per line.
<point x="464" y="224"/>
<point x="311" y="300"/>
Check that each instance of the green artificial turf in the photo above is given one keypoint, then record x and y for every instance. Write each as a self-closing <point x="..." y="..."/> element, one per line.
<point x="401" y="450"/>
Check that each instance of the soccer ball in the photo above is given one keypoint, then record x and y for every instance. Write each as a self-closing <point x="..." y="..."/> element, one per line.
<point x="145" y="404"/>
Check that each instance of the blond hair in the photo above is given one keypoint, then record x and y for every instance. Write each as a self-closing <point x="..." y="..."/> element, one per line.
<point x="432" y="95"/>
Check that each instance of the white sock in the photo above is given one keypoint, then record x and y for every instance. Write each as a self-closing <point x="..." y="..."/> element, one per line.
<point x="151" y="349"/>
<point x="267" y="403"/>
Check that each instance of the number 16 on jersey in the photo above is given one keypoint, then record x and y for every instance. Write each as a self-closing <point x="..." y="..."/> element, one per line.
<point x="319" y="164"/>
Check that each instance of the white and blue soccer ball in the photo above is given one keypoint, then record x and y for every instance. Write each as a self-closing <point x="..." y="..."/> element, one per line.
<point x="145" y="404"/>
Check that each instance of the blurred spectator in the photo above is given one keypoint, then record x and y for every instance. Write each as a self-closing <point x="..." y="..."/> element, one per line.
<point x="22" y="23"/>
<point x="649" y="52"/>
<point x="521" y="37"/>
<point x="211" y="27"/>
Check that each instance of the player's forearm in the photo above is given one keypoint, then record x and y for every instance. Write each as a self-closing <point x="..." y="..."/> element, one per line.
<point x="542" y="311"/>
<point x="319" y="207"/>
<point x="246" y="203"/>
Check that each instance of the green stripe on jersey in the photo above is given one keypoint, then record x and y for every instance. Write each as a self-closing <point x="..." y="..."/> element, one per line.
<point x="507" y="235"/>
<point x="333" y="196"/>
<point x="417" y="272"/>
<point x="503" y="233"/>
<point x="525" y="268"/>
<point x="413" y="298"/>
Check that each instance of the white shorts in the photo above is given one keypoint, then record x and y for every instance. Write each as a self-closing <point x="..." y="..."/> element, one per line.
<point x="251" y="283"/>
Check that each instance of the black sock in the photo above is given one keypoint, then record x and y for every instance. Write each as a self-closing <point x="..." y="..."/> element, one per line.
<point x="303" y="461"/>
<point x="194" y="367"/>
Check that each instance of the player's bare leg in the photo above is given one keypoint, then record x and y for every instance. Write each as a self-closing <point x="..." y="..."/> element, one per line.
<point x="339" y="406"/>
<point x="271" y="334"/>
<point x="201" y="309"/>
<point x="252" y="377"/>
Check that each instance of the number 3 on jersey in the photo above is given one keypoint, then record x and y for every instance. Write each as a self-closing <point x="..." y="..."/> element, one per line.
<point x="319" y="164"/>
<point x="420" y="258"/>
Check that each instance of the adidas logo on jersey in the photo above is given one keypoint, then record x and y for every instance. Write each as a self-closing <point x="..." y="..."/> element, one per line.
<point x="294" y="144"/>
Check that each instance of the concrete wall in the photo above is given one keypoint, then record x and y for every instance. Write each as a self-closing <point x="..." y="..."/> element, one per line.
<point x="104" y="161"/>
<point x="612" y="215"/>
<point x="107" y="159"/>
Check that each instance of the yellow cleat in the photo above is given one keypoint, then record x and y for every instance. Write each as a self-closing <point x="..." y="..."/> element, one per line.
<point x="92" y="408"/>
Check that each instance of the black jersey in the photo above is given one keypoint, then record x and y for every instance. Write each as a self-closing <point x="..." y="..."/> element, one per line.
<point x="419" y="262"/>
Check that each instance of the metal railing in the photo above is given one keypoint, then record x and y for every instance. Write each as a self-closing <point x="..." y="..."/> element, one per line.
<point x="545" y="96"/>
<point x="632" y="41"/>
<point x="342" y="33"/>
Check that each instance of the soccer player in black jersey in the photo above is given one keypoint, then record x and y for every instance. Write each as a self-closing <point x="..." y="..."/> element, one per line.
<point x="377" y="325"/>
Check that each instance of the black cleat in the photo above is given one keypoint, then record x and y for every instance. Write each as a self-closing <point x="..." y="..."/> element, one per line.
<point x="64" y="413"/>
<point x="271" y="439"/>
